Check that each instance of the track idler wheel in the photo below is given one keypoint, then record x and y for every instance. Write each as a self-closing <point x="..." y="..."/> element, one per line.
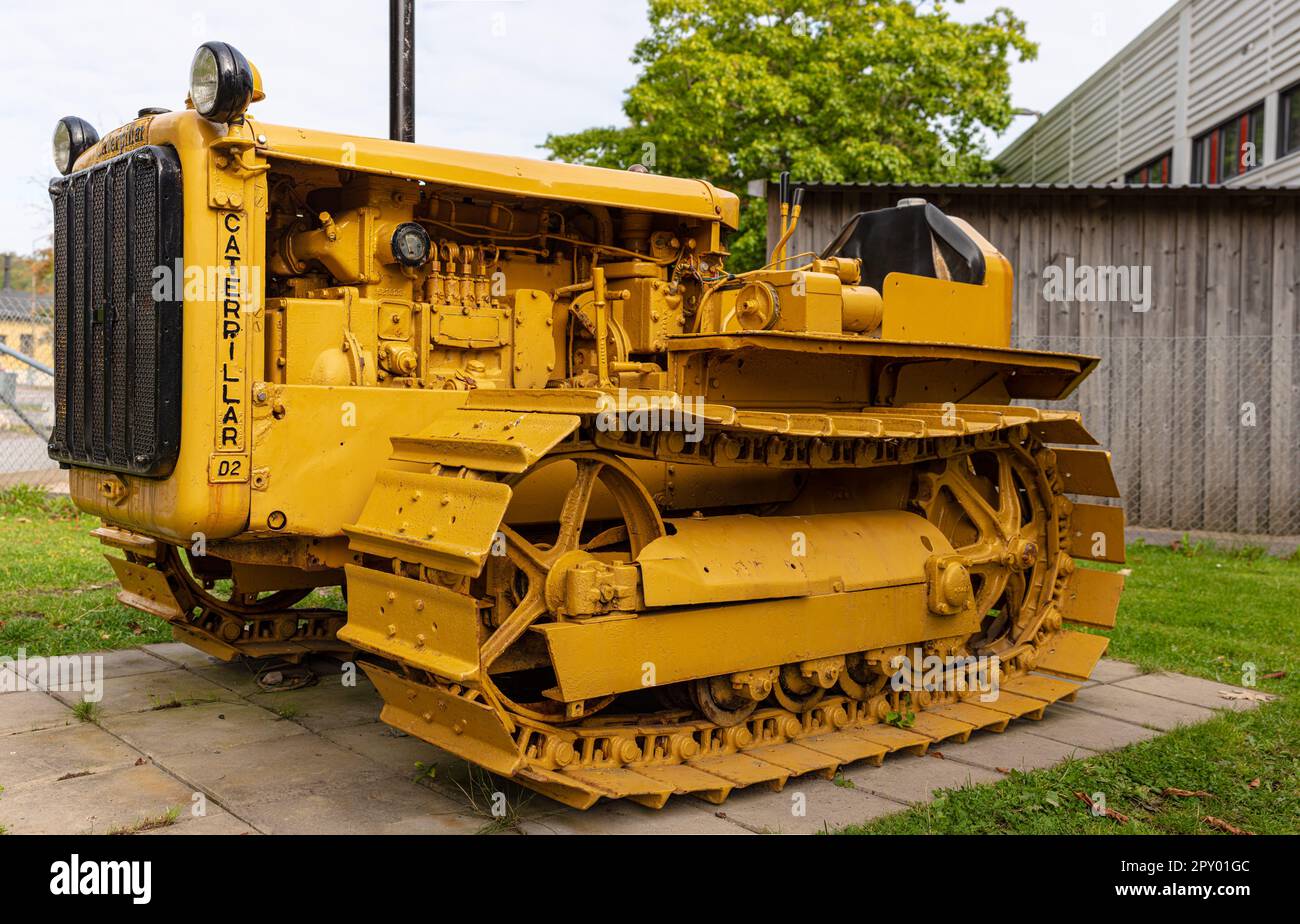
<point x="860" y="680"/>
<point x="802" y="686"/>
<point x="730" y="699"/>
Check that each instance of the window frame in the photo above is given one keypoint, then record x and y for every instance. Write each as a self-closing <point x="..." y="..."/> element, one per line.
<point x="1164" y="159"/>
<point x="1214" y="139"/>
<point x="1286" y="118"/>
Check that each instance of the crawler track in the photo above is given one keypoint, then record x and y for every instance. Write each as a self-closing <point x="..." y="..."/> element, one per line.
<point x="986" y="477"/>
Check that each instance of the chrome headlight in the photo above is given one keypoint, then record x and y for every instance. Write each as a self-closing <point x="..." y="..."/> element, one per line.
<point x="72" y="137"/>
<point x="221" y="82"/>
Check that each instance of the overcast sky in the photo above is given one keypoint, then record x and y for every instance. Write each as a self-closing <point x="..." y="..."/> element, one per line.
<point x="491" y="75"/>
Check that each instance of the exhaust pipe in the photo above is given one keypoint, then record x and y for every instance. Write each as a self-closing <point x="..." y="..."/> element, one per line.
<point x="401" y="70"/>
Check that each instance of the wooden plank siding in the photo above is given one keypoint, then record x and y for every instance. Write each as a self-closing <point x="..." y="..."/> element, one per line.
<point x="1198" y="398"/>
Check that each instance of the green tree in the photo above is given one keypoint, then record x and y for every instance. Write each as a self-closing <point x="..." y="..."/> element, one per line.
<point x="831" y="90"/>
<point x="35" y="271"/>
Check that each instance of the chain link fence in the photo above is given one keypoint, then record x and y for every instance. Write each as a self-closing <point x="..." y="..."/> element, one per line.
<point x="1204" y="431"/>
<point x="27" y="391"/>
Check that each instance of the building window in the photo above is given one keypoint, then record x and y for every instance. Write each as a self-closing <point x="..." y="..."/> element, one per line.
<point x="1230" y="149"/>
<point x="1288" y="135"/>
<point x="27" y="344"/>
<point x="1152" y="173"/>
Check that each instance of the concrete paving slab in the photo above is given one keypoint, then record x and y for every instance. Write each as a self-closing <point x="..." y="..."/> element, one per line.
<point x="399" y="754"/>
<point x="1013" y="751"/>
<point x="131" y="661"/>
<point x="20" y="712"/>
<point x="332" y="768"/>
<point x="107" y="664"/>
<point x="18" y="677"/>
<point x="92" y="804"/>
<point x="153" y="691"/>
<point x="241" y="677"/>
<point x="1087" y="729"/>
<point x="214" y="822"/>
<point x="54" y="752"/>
<point x="1139" y="708"/>
<point x="1109" y="670"/>
<point x="905" y="778"/>
<point x="389" y="748"/>
<point x="266" y="770"/>
<point x="181" y="654"/>
<point x="328" y="704"/>
<point x="331" y="666"/>
<point x="10" y="680"/>
<point x="392" y="808"/>
<point x="806" y="805"/>
<point x="233" y="675"/>
<point x="210" y="727"/>
<point x="1194" y="690"/>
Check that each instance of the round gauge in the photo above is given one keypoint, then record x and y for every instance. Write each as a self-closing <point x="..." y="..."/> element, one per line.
<point x="410" y="244"/>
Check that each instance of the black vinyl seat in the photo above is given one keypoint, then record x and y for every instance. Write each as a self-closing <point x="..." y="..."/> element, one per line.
<point x="904" y="239"/>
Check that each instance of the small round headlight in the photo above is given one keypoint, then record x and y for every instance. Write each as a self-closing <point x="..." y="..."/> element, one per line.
<point x="72" y="137"/>
<point x="221" y="82"/>
<point x="411" y="244"/>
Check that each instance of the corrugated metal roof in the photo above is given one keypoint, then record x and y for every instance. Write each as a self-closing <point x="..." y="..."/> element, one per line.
<point x="20" y="305"/>
<point x="1186" y="189"/>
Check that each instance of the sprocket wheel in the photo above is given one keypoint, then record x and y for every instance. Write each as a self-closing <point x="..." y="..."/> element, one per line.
<point x="536" y="561"/>
<point x="993" y="506"/>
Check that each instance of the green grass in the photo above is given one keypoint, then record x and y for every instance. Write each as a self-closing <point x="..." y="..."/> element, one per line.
<point x="1207" y="612"/>
<point x="86" y="711"/>
<point x="1223" y="757"/>
<point x="1198" y="611"/>
<point x="149" y="823"/>
<point x="57" y="593"/>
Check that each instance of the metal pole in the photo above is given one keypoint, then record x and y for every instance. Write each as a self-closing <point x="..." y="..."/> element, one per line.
<point x="13" y="406"/>
<point x="401" y="70"/>
<point x="34" y="363"/>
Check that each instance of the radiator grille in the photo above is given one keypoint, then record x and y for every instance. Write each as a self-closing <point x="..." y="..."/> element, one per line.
<point x="117" y="348"/>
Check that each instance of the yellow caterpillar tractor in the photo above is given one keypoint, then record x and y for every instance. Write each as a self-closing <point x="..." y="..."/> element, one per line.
<point x="609" y="519"/>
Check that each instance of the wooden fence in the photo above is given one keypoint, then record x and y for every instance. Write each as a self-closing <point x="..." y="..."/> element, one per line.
<point x="1198" y="396"/>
